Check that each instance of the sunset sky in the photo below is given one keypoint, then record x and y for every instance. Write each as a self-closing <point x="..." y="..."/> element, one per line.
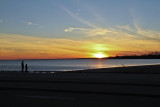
<point x="53" y="29"/>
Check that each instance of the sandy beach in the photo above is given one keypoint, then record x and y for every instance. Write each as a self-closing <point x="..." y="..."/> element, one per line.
<point x="107" y="87"/>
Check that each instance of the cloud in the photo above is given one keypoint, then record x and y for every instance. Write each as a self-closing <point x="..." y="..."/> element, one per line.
<point x="1" y="20"/>
<point x="91" y="32"/>
<point x="76" y="17"/>
<point x="21" y="46"/>
<point x="32" y="24"/>
<point x="118" y="32"/>
<point x="70" y="29"/>
<point x="125" y="27"/>
<point x="29" y="23"/>
<point x="99" y="32"/>
<point x="123" y="38"/>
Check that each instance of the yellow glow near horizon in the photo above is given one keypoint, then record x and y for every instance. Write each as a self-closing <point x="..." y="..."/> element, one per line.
<point x="100" y="55"/>
<point x="100" y="47"/>
<point x="14" y="46"/>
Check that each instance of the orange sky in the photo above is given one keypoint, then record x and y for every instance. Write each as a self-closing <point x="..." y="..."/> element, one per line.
<point x="29" y="47"/>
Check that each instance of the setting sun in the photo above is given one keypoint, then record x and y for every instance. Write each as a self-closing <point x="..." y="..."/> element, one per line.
<point x="99" y="55"/>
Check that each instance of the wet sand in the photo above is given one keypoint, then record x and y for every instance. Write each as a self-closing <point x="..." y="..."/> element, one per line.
<point x="108" y="87"/>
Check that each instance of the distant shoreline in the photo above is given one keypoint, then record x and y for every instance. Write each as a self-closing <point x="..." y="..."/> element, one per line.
<point x="76" y="59"/>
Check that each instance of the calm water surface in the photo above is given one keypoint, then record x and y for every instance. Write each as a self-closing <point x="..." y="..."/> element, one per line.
<point x="72" y="64"/>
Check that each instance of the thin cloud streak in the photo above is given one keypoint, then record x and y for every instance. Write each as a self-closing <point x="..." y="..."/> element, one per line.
<point x="32" y="24"/>
<point x="91" y="32"/>
<point x="74" y="16"/>
<point x="121" y="32"/>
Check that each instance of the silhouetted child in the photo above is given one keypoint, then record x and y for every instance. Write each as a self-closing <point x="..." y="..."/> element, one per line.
<point x="26" y="66"/>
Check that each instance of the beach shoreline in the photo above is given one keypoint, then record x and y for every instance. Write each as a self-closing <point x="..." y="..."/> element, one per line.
<point x="154" y="68"/>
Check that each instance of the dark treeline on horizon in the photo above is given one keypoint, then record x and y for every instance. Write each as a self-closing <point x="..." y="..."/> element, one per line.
<point x="152" y="55"/>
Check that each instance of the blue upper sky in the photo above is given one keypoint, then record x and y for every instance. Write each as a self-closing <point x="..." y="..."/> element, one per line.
<point x="49" y="18"/>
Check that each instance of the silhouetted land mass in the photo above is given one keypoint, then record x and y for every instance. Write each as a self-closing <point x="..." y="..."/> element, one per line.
<point x="154" y="55"/>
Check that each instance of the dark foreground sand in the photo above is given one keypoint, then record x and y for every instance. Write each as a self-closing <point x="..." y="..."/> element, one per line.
<point x="110" y="87"/>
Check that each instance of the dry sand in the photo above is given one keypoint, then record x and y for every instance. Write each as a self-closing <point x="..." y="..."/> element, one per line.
<point x="108" y="87"/>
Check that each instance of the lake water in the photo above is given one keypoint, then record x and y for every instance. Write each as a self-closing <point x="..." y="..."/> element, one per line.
<point x="72" y="64"/>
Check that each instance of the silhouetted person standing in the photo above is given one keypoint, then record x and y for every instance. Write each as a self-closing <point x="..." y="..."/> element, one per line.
<point x="26" y="66"/>
<point x="22" y="65"/>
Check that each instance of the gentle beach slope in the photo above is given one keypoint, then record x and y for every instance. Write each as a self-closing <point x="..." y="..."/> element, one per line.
<point x="112" y="87"/>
